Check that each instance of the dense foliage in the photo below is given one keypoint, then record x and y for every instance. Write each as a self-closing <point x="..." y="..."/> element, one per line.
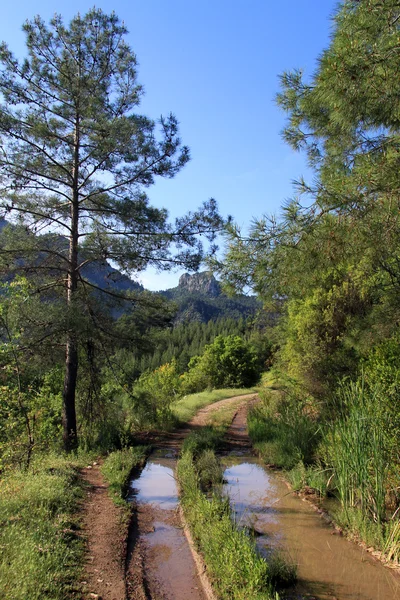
<point x="330" y="266"/>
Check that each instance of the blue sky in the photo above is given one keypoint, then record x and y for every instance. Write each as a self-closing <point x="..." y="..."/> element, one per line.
<point x="215" y="65"/>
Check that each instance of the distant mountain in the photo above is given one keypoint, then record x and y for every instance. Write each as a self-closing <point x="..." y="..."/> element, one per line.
<point x="99" y="273"/>
<point x="200" y="298"/>
<point x="104" y="276"/>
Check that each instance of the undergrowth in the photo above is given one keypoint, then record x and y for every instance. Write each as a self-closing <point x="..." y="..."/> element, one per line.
<point x="283" y="429"/>
<point x="40" y="549"/>
<point x="350" y="453"/>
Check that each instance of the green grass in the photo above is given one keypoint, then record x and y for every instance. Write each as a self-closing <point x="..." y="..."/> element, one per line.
<point x="236" y="570"/>
<point x="315" y="477"/>
<point x="41" y="553"/>
<point x="206" y="438"/>
<point x="282" y="440"/>
<point x="348" y="456"/>
<point x="185" y="408"/>
<point x="118" y="466"/>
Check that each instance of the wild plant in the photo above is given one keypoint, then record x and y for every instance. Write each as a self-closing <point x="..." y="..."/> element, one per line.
<point x="357" y="449"/>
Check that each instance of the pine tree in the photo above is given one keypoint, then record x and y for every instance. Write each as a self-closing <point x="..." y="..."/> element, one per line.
<point x="75" y="160"/>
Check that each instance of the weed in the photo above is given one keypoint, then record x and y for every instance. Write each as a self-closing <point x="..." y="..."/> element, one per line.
<point x="356" y="449"/>
<point x="209" y="470"/>
<point x="283" y="430"/>
<point x="282" y="569"/>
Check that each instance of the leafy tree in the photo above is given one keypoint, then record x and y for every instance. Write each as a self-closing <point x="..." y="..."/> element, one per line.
<point x="227" y="362"/>
<point x="330" y="264"/>
<point x="29" y="400"/>
<point x="75" y="161"/>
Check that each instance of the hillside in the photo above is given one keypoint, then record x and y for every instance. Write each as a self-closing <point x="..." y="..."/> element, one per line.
<point x="200" y="298"/>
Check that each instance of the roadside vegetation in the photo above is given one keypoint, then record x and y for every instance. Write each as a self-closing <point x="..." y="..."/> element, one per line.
<point x="329" y="267"/>
<point x="117" y="469"/>
<point x="348" y="453"/>
<point x="236" y="570"/>
<point x="41" y="551"/>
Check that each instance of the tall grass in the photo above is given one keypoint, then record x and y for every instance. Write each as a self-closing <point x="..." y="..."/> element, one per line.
<point x="357" y="451"/>
<point x="282" y="429"/>
<point x="40" y="549"/>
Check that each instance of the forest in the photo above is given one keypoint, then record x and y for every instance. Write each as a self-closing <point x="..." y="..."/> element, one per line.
<point x="307" y="307"/>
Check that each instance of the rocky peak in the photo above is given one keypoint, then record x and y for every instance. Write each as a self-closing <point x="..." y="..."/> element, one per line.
<point x="201" y="283"/>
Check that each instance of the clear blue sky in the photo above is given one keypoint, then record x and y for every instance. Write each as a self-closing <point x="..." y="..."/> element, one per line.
<point x="215" y="64"/>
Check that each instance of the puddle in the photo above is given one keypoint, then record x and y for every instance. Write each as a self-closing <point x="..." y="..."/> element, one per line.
<point x="171" y="563"/>
<point x="329" y="567"/>
<point x="169" y="566"/>
<point x="156" y="484"/>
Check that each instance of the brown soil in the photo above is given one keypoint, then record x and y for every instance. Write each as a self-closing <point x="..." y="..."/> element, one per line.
<point x="237" y="437"/>
<point x="121" y="566"/>
<point x="104" y="526"/>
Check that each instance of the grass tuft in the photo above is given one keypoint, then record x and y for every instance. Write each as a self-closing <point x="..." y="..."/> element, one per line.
<point x="118" y="466"/>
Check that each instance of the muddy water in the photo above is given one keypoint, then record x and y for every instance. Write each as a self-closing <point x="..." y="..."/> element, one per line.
<point x="170" y="569"/>
<point x="329" y="567"/>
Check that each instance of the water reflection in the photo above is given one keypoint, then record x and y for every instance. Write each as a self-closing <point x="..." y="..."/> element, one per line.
<point x="329" y="566"/>
<point x="156" y="484"/>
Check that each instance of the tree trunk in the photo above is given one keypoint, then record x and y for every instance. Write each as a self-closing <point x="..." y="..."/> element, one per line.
<point x="70" y="435"/>
<point x="69" y="413"/>
<point x="71" y="351"/>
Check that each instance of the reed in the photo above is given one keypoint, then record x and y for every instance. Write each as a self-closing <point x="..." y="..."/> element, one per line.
<point x="357" y="450"/>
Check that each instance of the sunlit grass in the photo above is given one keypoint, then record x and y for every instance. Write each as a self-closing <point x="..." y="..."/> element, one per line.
<point x="41" y="552"/>
<point x="185" y="408"/>
<point x="118" y="467"/>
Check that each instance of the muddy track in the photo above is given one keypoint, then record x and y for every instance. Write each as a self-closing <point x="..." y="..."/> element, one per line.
<point x="104" y="528"/>
<point x="122" y="564"/>
<point x="329" y="566"/>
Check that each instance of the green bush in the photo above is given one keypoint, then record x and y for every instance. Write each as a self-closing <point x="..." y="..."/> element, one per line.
<point x="227" y="362"/>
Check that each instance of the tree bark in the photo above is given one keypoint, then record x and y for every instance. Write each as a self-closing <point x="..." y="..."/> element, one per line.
<point x="70" y="435"/>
